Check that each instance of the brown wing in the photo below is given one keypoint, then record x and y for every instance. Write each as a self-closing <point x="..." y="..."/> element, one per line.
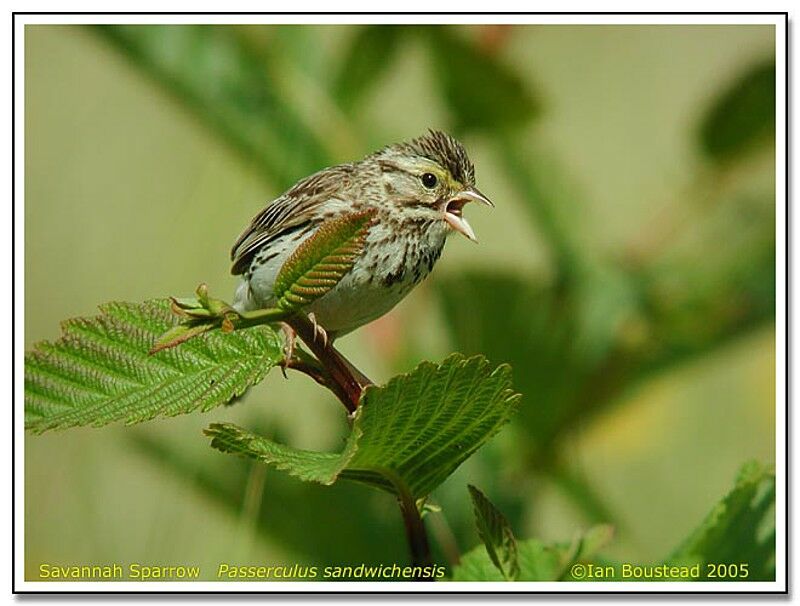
<point x="299" y="205"/>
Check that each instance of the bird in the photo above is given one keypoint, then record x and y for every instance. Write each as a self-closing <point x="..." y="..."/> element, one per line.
<point x="417" y="190"/>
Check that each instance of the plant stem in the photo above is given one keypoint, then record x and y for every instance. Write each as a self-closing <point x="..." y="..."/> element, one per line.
<point x="416" y="534"/>
<point x="321" y="376"/>
<point x="335" y="372"/>
<point x="344" y="379"/>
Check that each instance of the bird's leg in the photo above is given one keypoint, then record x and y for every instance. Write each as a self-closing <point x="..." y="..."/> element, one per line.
<point x="288" y="347"/>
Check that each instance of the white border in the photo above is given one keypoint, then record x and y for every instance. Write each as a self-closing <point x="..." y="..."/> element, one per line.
<point x="21" y="585"/>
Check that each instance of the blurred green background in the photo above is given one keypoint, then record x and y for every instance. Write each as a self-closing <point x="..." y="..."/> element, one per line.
<point x="627" y="272"/>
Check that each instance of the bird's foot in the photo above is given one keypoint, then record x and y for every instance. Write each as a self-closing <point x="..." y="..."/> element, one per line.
<point x="318" y="330"/>
<point x="288" y="347"/>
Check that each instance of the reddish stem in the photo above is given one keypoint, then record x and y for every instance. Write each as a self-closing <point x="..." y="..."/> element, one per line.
<point x="342" y="378"/>
<point x="347" y="382"/>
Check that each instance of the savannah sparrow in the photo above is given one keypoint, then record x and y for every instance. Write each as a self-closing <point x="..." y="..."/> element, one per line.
<point x="417" y="188"/>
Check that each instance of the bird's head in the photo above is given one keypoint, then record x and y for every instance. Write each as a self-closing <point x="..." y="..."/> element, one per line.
<point x="431" y="177"/>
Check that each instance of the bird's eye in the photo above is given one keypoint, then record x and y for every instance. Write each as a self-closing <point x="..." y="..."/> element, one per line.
<point x="429" y="180"/>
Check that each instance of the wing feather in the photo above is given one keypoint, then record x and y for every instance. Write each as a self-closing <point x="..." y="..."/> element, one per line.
<point x="301" y="204"/>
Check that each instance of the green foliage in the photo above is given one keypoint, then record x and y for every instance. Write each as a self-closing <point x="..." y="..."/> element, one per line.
<point x="480" y="90"/>
<point x="538" y="561"/>
<point x="370" y="50"/>
<point x="408" y="435"/>
<point x="505" y="559"/>
<point x="740" y="528"/>
<point x="100" y="371"/>
<point x="321" y="261"/>
<point x="198" y="315"/>
<point x="579" y="362"/>
<point x="180" y="334"/>
<point x="692" y="308"/>
<point x="590" y="333"/>
<point x="742" y="115"/>
<point x="313" y="269"/>
<point x="545" y="345"/>
<point x="226" y="83"/>
<point x="496" y="534"/>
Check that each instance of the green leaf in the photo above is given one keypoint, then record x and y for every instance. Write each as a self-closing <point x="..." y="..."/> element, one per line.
<point x="742" y="115"/>
<point x="322" y="260"/>
<point x="180" y="334"/>
<point x="740" y="528"/>
<point x="367" y="57"/>
<point x="481" y="91"/>
<point x="415" y="430"/>
<point x="538" y="561"/>
<point x="306" y="465"/>
<point x="203" y="313"/>
<point x="100" y="371"/>
<point x="228" y="84"/>
<point x="496" y="534"/>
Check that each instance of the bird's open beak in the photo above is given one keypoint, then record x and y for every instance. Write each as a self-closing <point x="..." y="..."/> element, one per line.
<point x="453" y="207"/>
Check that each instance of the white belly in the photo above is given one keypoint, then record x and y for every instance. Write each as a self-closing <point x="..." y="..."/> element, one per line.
<point x="381" y="277"/>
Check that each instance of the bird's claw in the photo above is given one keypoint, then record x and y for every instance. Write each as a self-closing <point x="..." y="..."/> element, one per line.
<point x="318" y="330"/>
<point x="288" y="347"/>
